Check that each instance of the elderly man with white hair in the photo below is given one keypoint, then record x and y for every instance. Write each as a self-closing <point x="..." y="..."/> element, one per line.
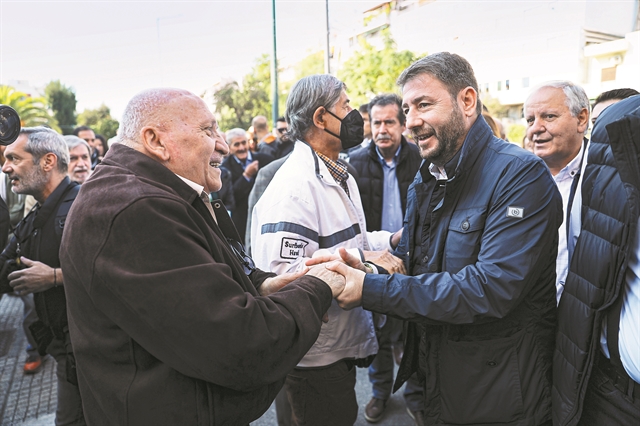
<point x="79" y="159"/>
<point x="171" y="322"/>
<point x="557" y="115"/>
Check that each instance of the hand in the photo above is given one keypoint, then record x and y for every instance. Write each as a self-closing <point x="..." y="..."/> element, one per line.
<point x="395" y="239"/>
<point x="324" y="256"/>
<point x="332" y="279"/>
<point x="273" y="284"/>
<point x="252" y="169"/>
<point x="351" y="296"/>
<point x="385" y="259"/>
<point x="35" y="278"/>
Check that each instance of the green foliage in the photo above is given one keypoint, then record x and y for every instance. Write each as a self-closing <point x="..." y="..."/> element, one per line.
<point x="236" y="106"/>
<point x="309" y="65"/>
<point x="370" y="72"/>
<point x="100" y="121"/>
<point x="496" y="109"/>
<point x="33" y="111"/>
<point x="63" y="103"/>
<point x="516" y="132"/>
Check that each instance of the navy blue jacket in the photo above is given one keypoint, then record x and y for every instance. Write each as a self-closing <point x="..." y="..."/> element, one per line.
<point x="483" y="316"/>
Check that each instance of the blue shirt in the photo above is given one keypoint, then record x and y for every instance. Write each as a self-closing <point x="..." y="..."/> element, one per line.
<point x="244" y="163"/>
<point x="391" y="204"/>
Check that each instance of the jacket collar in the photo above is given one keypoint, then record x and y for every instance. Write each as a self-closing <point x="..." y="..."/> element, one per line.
<point x="373" y="153"/>
<point x="49" y="205"/>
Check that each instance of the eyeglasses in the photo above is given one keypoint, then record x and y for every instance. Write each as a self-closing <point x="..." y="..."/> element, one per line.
<point x="281" y="130"/>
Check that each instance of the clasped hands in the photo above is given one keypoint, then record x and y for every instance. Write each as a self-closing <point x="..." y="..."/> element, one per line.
<point x="343" y="272"/>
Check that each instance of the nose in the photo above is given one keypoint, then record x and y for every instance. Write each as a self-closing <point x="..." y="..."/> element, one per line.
<point x="221" y="146"/>
<point x="535" y="128"/>
<point x="6" y="168"/>
<point x="413" y="119"/>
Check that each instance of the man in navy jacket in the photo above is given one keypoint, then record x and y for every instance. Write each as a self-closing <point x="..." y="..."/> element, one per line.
<point x="480" y="241"/>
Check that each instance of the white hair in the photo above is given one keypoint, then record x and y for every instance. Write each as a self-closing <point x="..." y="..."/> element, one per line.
<point x="142" y="110"/>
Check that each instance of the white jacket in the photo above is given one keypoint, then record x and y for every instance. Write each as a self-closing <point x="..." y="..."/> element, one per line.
<point x="302" y="210"/>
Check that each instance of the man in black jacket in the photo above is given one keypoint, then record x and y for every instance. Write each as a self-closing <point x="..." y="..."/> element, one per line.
<point x="596" y="365"/>
<point x="37" y="165"/>
<point x="385" y="169"/>
<point x="243" y="165"/>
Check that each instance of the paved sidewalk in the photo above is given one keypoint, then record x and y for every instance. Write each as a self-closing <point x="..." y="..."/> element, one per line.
<point x="24" y="399"/>
<point x="30" y="400"/>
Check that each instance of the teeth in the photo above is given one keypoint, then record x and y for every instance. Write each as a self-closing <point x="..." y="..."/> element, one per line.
<point x="214" y="164"/>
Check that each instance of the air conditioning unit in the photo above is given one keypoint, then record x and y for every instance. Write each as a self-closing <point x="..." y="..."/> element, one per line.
<point x="615" y="60"/>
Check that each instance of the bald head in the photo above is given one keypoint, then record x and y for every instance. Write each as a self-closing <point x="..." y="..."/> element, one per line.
<point x="175" y="128"/>
<point x="149" y="108"/>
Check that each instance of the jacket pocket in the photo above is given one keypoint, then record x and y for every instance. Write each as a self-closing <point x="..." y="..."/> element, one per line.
<point x="480" y="381"/>
<point x="463" y="238"/>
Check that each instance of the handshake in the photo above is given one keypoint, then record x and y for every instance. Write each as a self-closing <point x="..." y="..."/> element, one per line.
<point x="343" y="272"/>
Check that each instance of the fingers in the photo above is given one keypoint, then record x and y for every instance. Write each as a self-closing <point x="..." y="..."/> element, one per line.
<point x="338" y="267"/>
<point x="27" y="262"/>
<point x="325" y="317"/>
<point x="350" y="259"/>
<point x="320" y="259"/>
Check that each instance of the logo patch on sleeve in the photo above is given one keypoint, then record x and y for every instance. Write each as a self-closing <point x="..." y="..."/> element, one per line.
<point x="517" y="212"/>
<point x="292" y="248"/>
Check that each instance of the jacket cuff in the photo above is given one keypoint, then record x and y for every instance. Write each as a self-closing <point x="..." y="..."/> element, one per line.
<point x="373" y="290"/>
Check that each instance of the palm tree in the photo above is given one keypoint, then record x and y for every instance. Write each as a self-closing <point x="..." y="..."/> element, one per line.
<point x="32" y="111"/>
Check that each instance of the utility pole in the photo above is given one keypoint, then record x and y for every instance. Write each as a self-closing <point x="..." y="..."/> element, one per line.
<point x="327" y="56"/>
<point x="274" y="70"/>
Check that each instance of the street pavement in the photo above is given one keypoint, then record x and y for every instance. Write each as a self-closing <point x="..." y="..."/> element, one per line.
<point x="30" y="400"/>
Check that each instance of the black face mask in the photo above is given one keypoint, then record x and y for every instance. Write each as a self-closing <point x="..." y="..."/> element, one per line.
<point x="351" y="129"/>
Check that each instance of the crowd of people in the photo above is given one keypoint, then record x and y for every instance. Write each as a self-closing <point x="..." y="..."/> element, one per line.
<point x="187" y="275"/>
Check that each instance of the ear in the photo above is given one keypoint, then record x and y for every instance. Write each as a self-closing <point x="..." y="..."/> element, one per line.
<point x="49" y="161"/>
<point x="317" y="118"/>
<point x="583" y="120"/>
<point x="468" y="98"/>
<point x="152" y="141"/>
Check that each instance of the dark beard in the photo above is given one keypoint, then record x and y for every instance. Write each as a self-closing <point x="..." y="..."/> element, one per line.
<point x="447" y="135"/>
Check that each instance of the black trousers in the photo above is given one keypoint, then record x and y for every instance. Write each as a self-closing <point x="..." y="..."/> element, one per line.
<point x="323" y="396"/>
<point x="606" y="403"/>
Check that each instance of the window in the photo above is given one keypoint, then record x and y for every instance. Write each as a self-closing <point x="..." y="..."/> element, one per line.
<point x="499" y="86"/>
<point x="506" y="84"/>
<point x="608" y="74"/>
<point x="525" y="82"/>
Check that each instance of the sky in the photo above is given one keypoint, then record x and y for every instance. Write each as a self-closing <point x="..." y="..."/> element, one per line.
<point x="108" y="51"/>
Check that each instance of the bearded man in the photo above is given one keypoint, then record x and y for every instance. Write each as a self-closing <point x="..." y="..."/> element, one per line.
<point x="480" y="242"/>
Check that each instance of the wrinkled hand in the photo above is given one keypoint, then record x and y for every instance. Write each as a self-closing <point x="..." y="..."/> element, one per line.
<point x="324" y="256"/>
<point x="252" y="169"/>
<point x="351" y="296"/>
<point x="36" y="277"/>
<point x="273" y="284"/>
<point x="332" y="279"/>
<point x="385" y="259"/>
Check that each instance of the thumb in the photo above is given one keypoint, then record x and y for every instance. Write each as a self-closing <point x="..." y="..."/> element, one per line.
<point x="338" y="267"/>
<point x="348" y="258"/>
<point x="27" y="262"/>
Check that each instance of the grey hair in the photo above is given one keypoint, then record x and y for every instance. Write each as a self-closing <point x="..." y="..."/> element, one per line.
<point x="73" y="141"/>
<point x="234" y="133"/>
<point x="143" y="109"/>
<point x="306" y="96"/>
<point x="452" y="70"/>
<point x="576" y="98"/>
<point x="42" y="141"/>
